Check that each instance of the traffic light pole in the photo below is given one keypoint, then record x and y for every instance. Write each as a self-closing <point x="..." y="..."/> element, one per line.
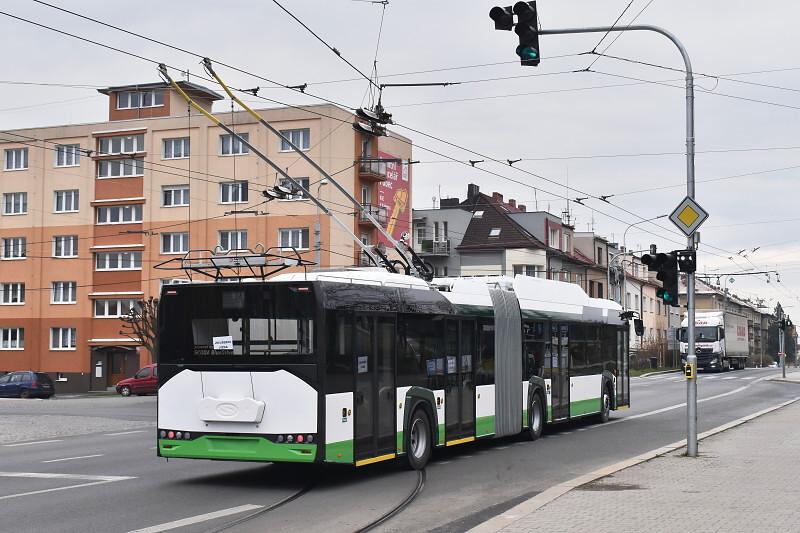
<point x="691" y="358"/>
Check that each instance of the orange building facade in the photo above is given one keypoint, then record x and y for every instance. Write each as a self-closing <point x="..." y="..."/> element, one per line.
<point x="88" y="210"/>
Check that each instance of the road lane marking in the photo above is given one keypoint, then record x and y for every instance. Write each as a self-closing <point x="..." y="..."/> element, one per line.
<point x="124" y="433"/>
<point x="530" y="505"/>
<point x="730" y="377"/>
<point x="31" y="443"/>
<point x="73" y="458"/>
<point x="750" y="377"/>
<point x="91" y="481"/>
<point x="198" y="519"/>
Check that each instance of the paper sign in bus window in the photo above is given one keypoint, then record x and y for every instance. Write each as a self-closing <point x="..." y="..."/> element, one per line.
<point x="224" y="342"/>
<point x="363" y="364"/>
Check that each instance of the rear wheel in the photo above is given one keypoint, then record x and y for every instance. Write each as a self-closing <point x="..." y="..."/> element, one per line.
<point x="125" y="391"/>
<point x="24" y="393"/>
<point x="419" y="441"/>
<point x="605" y="406"/>
<point x="535" y="417"/>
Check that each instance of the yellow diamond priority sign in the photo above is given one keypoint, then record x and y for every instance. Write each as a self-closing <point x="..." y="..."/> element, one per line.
<point x="688" y="216"/>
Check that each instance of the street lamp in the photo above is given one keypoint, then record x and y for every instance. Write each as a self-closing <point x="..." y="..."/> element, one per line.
<point x="623" y="301"/>
<point x="317" y="236"/>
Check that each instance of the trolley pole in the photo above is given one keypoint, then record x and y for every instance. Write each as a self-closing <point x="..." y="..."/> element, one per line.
<point x="691" y="358"/>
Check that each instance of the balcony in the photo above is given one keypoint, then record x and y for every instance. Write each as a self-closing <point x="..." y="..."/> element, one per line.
<point x="378" y="212"/>
<point x="372" y="169"/>
<point x="433" y="248"/>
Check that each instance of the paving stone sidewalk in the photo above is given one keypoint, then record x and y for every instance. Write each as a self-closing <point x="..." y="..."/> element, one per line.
<point x="745" y="480"/>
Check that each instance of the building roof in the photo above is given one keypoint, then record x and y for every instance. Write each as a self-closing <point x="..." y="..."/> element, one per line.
<point x="495" y="215"/>
<point x="189" y="87"/>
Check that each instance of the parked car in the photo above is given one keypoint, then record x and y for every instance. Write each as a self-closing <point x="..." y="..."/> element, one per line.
<point x="145" y="381"/>
<point x="26" y="384"/>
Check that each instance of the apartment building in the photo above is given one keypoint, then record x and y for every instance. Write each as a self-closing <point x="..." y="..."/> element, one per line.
<point x="89" y="210"/>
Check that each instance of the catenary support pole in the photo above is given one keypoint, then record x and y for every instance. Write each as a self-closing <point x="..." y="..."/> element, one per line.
<point x="691" y="358"/>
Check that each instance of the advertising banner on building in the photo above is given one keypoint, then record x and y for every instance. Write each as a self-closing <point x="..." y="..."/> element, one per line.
<point x="394" y="197"/>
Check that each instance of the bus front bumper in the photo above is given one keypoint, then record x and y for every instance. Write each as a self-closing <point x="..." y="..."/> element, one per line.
<point x="237" y="448"/>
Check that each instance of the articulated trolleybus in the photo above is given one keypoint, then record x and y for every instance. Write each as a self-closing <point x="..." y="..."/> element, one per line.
<point x="361" y="366"/>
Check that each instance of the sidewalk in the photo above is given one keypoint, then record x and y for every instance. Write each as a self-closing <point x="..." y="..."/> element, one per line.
<point x="745" y="479"/>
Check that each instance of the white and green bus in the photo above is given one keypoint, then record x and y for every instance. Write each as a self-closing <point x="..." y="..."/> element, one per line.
<point x="361" y="366"/>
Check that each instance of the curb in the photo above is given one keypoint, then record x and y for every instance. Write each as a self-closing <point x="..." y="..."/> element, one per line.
<point x="543" y="498"/>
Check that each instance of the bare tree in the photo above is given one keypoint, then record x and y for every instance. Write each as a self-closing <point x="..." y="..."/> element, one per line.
<point x="140" y="325"/>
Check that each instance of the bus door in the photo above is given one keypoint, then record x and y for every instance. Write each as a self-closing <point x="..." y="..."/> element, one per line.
<point x="559" y="347"/>
<point x="623" y="370"/>
<point x="459" y="398"/>
<point x="373" y="348"/>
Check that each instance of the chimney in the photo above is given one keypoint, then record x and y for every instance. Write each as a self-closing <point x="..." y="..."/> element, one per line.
<point x="512" y="202"/>
<point x="445" y="203"/>
<point x="472" y="191"/>
<point x="522" y="207"/>
<point x="497" y="197"/>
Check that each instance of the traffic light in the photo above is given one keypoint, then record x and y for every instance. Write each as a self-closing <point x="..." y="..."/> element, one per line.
<point x="667" y="267"/>
<point x="502" y="17"/>
<point x="687" y="260"/>
<point x="528" y="31"/>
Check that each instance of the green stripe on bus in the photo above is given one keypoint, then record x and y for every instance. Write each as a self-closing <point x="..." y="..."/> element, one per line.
<point x="339" y="452"/>
<point x="584" y="407"/>
<point x="524" y="418"/>
<point x="549" y="413"/>
<point x="441" y="434"/>
<point x="237" y="449"/>
<point x="484" y="425"/>
<point x="399" y="442"/>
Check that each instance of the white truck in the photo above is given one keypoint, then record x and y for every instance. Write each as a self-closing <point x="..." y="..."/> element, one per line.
<point x="720" y="340"/>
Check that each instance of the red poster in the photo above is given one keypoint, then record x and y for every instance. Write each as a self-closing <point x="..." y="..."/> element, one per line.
<point x="394" y="197"/>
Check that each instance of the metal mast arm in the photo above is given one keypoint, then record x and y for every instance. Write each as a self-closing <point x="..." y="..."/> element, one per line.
<point x="162" y="69"/>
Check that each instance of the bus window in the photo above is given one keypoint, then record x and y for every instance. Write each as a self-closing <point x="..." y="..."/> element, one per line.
<point x="535" y="348"/>
<point x="484" y="367"/>
<point x="339" y="358"/>
<point x="577" y="349"/>
<point x="422" y="360"/>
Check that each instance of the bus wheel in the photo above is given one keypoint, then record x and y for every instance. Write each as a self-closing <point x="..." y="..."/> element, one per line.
<point x="535" y="417"/>
<point x="605" y="406"/>
<point x="418" y="440"/>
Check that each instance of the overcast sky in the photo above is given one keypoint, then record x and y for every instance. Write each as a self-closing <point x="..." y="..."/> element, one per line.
<point x="560" y="113"/>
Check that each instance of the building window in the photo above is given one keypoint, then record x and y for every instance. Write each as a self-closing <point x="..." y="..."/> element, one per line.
<point x="65" y="246"/>
<point x="16" y="159"/>
<point x="174" y="243"/>
<point x="119" y="214"/>
<point x="298" y="194"/>
<point x="63" y="292"/>
<point x="566" y="242"/>
<point x="118" y="260"/>
<point x="420" y="235"/>
<point x="114" y="308"/>
<point x="233" y="192"/>
<point x="174" y="281"/>
<point x="300" y="138"/>
<point x="12" y="293"/>
<point x="12" y="339"/>
<point x="66" y="201"/>
<point x="477" y="214"/>
<point x="15" y="203"/>
<point x="68" y="155"/>
<point x="62" y="338"/>
<point x="120" y="168"/>
<point x="628" y="300"/>
<point x="599" y="255"/>
<point x="14" y="247"/>
<point x="121" y="144"/>
<point x="231" y="145"/>
<point x="175" y="195"/>
<point x="553" y="242"/>
<point x="176" y="148"/>
<point x="636" y="302"/>
<point x="599" y="290"/>
<point x="139" y="99"/>
<point x="233" y="240"/>
<point x="495" y="232"/>
<point x="294" y="238"/>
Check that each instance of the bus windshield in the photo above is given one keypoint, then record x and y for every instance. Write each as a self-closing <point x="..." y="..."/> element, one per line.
<point x="230" y="323"/>
<point x="701" y="334"/>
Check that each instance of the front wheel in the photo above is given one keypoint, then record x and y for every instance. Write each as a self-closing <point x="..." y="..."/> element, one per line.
<point x="605" y="406"/>
<point x="419" y="441"/>
<point x="125" y="391"/>
<point x="24" y="393"/>
<point x="535" y="418"/>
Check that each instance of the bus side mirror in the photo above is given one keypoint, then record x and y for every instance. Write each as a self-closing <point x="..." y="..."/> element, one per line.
<point x="638" y="326"/>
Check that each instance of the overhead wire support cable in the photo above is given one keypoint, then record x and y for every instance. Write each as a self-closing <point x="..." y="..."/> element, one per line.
<point x="401" y="248"/>
<point x="163" y="72"/>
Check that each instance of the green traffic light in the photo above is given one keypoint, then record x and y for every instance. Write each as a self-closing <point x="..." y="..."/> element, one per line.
<point x="528" y="53"/>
